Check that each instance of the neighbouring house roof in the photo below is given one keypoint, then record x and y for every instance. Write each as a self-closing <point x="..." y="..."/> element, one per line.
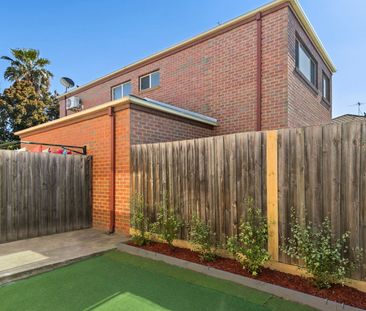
<point x="131" y="99"/>
<point x="294" y="4"/>
<point x="348" y="118"/>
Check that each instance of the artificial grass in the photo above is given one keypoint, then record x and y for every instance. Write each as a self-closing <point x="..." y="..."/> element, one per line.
<point x="118" y="281"/>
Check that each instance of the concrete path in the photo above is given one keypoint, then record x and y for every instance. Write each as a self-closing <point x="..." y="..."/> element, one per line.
<point x="24" y="258"/>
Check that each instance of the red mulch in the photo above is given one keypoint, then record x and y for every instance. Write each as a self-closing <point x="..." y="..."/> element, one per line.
<point x="338" y="293"/>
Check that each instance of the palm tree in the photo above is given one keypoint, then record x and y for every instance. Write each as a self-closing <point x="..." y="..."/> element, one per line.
<point x="25" y="64"/>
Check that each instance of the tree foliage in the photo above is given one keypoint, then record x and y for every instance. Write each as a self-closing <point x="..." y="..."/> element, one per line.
<point x="28" y="101"/>
<point x="22" y="107"/>
<point x="27" y="65"/>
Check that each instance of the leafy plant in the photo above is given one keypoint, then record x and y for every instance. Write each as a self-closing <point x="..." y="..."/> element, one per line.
<point x="201" y="236"/>
<point x="27" y="65"/>
<point x="167" y="224"/>
<point x="138" y="220"/>
<point x="324" y="257"/>
<point x="250" y="246"/>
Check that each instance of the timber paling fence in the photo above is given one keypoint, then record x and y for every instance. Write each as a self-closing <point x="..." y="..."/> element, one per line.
<point x="318" y="171"/>
<point x="42" y="194"/>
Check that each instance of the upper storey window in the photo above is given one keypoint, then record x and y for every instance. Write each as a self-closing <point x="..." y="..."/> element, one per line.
<point x="150" y="81"/>
<point x="122" y="90"/>
<point x="326" y="87"/>
<point x="306" y="63"/>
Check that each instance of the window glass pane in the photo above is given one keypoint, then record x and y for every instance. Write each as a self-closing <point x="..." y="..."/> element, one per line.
<point x="305" y="64"/>
<point x="145" y="83"/>
<point x="116" y="92"/>
<point x="155" y="79"/>
<point x="126" y="88"/>
<point x="313" y="73"/>
<point x="326" y="88"/>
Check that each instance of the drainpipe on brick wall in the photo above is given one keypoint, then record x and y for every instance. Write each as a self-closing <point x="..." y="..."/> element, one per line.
<point x="259" y="72"/>
<point x="65" y="108"/>
<point x="112" y="181"/>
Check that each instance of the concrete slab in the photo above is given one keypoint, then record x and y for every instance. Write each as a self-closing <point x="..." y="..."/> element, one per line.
<point x="15" y="260"/>
<point x="24" y="258"/>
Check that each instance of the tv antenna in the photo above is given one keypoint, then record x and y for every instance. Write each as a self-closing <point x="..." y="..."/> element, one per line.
<point x="67" y="83"/>
<point x="359" y="108"/>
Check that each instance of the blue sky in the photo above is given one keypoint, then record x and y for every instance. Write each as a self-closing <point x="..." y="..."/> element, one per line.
<point x="87" y="39"/>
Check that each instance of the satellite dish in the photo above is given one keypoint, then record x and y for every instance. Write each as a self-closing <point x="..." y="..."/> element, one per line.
<point x="67" y="82"/>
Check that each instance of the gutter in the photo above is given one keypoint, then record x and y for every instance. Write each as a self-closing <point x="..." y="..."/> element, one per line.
<point x="173" y="110"/>
<point x="100" y="109"/>
<point x="259" y="72"/>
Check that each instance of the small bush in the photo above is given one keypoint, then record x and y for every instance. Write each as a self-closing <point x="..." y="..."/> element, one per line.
<point x="167" y="224"/>
<point x="200" y="235"/>
<point x="250" y="246"/>
<point x="319" y="254"/>
<point x="138" y="220"/>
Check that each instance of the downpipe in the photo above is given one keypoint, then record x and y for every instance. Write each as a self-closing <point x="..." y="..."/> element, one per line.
<point x="112" y="180"/>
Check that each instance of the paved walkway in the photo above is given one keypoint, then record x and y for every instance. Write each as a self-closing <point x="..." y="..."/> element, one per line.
<point x="27" y="257"/>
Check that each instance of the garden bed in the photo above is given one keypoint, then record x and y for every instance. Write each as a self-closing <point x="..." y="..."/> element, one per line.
<point x="341" y="294"/>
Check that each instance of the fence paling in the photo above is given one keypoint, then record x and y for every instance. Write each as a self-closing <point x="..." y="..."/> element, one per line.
<point x="203" y="177"/>
<point x="43" y="194"/>
<point x="320" y="171"/>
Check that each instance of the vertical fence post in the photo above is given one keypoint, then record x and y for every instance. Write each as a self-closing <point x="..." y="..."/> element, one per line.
<point x="272" y="195"/>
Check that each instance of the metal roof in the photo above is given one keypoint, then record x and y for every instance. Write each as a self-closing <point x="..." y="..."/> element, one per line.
<point x="161" y="106"/>
<point x="97" y="110"/>
<point x="348" y="118"/>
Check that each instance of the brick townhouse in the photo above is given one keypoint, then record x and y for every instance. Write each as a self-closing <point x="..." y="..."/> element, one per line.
<point x="260" y="71"/>
<point x="266" y="69"/>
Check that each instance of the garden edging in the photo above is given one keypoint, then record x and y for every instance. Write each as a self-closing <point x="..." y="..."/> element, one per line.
<point x="285" y="293"/>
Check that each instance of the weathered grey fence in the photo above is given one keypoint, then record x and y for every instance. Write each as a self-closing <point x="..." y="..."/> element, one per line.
<point x="321" y="171"/>
<point x="209" y="177"/>
<point x="43" y="194"/>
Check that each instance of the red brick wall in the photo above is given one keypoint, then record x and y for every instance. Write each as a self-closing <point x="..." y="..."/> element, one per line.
<point x="217" y="77"/>
<point x="123" y="176"/>
<point x="305" y="105"/>
<point x="274" y="70"/>
<point x="132" y="126"/>
<point x="95" y="133"/>
<point x="151" y="128"/>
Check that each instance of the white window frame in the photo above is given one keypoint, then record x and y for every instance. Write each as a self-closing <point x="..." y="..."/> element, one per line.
<point x="121" y="86"/>
<point x="148" y="75"/>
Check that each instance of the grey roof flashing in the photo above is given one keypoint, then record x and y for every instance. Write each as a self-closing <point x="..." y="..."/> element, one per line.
<point x="170" y="109"/>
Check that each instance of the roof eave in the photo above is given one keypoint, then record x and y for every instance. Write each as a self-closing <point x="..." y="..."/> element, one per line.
<point x="297" y="8"/>
<point x="117" y="103"/>
<point x="186" y="114"/>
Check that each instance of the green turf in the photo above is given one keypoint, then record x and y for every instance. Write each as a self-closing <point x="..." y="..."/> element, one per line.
<point x="117" y="281"/>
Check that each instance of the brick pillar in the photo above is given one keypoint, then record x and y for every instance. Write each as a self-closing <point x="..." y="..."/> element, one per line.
<point x="123" y="176"/>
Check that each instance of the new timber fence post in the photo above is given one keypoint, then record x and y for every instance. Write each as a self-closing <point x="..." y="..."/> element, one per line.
<point x="272" y="195"/>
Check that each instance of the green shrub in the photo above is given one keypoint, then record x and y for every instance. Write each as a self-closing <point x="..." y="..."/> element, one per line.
<point x="250" y="246"/>
<point x="138" y="220"/>
<point x="201" y="236"/>
<point x="167" y="224"/>
<point x="320" y="255"/>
